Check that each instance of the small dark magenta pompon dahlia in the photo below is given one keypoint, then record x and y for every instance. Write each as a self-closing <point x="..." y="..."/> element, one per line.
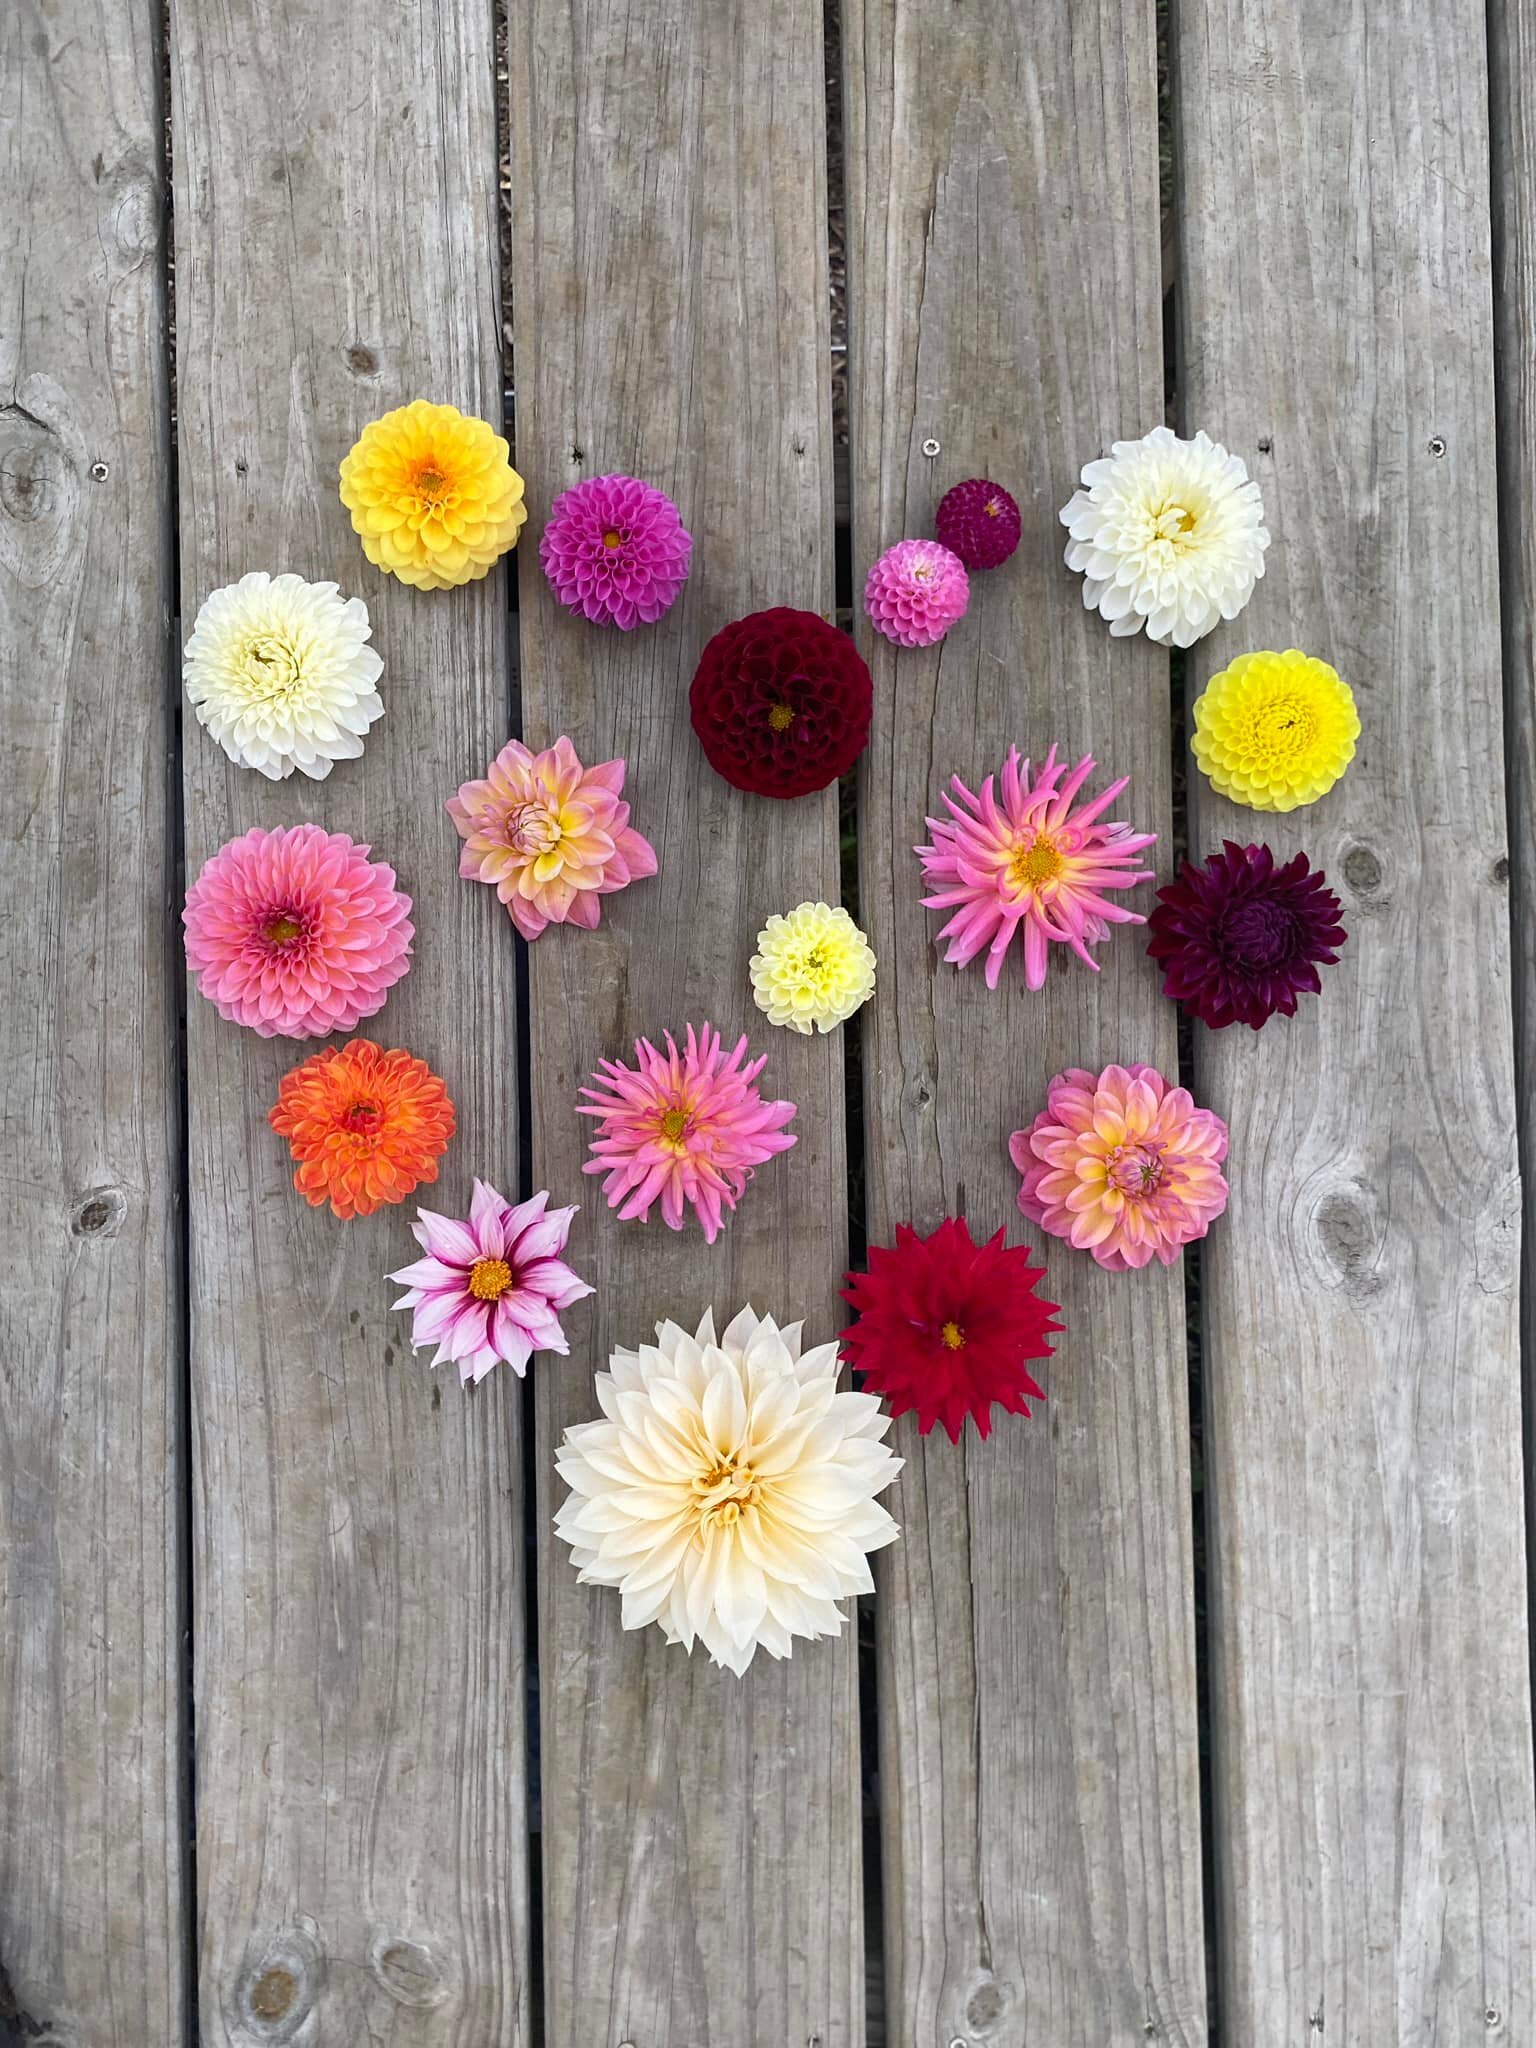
<point x="946" y="1325"/>
<point x="1239" y="938"/>
<point x="979" y="522"/>
<point x="781" y="703"/>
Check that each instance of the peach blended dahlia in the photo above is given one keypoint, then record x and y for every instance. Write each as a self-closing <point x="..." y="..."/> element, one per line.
<point x="551" y="837"/>
<point x="433" y="495"/>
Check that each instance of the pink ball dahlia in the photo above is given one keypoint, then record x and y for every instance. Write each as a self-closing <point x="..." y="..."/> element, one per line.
<point x="297" y="933"/>
<point x="616" y="551"/>
<point x="1030" y="861"/>
<point x="682" y="1128"/>
<point x="1122" y="1165"/>
<point x="490" y="1289"/>
<point x="979" y="522"/>
<point x="916" y="591"/>
<point x="550" y="836"/>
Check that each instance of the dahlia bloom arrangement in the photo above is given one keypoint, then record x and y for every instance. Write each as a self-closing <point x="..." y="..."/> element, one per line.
<point x="781" y="703"/>
<point x="280" y="672"/>
<point x="1022" y="859"/>
<point x="978" y="521"/>
<point x="1275" y="731"/>
<point x="491" y="1286"/>
<point x="916" y="592"/>
<point x="813" y="968"/>
<point x="433" y="495"/>
<point x="1122" y="1165"/>
<point x="729" y="1491"/>
<point x="616" y="551"/>
<point x="1239" y="938"/>
<point x="946" y="1327"/>
<point x="685" y="1129"/>
<point x="296" y="932"/>
<point x="1169" y="536"/>
<point x="365" y="1126"/>
<point x="550" y="836"/>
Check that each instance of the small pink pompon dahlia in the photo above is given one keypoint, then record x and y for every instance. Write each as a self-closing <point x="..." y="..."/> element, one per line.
<point x="916" y="591"/>
<point x="616" y="551"/>
<point x="1030" y="860"/>
<point x="297" y="933"/>
<point x="682" y="1128"/>
<point x="491" y="1288"/>
<point x="550" y="836"/>
<point x="1122" y="1165"/>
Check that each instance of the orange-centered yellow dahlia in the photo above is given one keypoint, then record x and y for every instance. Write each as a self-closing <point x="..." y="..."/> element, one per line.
<point x="433" y="495"/>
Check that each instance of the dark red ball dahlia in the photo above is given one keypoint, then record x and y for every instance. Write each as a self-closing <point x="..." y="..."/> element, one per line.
<point x="979" y="522"/>
<point x="1239" y="938"/>
<point x="945" y="1326"/>
<point x="781" y="703"/>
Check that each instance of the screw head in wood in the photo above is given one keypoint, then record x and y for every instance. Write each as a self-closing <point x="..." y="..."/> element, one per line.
<point x="100" y="472"/>
<point x="930" y="449"/>
<point x="1436" y="446"/>
<point x="1491" y="2016"/>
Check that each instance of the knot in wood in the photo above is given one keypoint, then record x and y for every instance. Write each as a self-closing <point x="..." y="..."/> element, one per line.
<point x="99" y="1213"/>
<point x="410" y="1974"/>
<point x="272" y="1994"/>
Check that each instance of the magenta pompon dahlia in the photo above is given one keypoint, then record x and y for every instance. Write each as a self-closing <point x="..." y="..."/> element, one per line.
<point x="491" y="1287"/>
<point x="916" y="591"/>
<point x="296" y="932"/>
<point x="1030" y="861"/>
<point x="616" y="551"/>
<point x="685" y="1129"/>
<point x="1239" y="939"/>
<point x="978" y="521"/>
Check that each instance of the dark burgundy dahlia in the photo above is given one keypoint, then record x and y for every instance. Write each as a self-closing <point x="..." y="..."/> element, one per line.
<point x="781" y="703"/>
<point x="1240" y="938"/>
<point x="979" y="522"/>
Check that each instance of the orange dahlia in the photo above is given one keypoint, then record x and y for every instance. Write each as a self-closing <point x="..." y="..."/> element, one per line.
<point x="433" y="495"/>
<point x="365" y="1125"/>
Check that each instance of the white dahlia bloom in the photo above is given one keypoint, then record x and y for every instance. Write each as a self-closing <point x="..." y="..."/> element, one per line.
<point x="280" y="672"/>
<point x="1169" y="535"/>
<point x="730" y="1492"/>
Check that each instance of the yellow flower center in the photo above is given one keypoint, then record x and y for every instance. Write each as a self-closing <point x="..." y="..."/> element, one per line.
<point x="992" y="508"/>
<point x="282" y="929"/>
<point x="723" y="1489"/>
<point x="271" y="665"/>
<point x="1174" y="522"/>
<point x="1136" y="1169"/>
<point x="613" y="539"/>
<point x="674" y="1126"/>
<point x="489" y="1279"/>
<point x="430" y="481"/>
<point x="952" y="1337"/>
<point x="1036" y="864"/>
<point x="534" y="828"/>
<point x="1283" y="728"/>
<point x="781" y="717"/>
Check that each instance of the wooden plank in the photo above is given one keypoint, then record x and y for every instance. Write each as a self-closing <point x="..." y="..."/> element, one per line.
<point x="1512" y="61"/>
<point x="359" y="1578"/>
<point x="1037" y="1683"/>
<point x="1374" y="1808"/>
<point x="93" y="1928"/>
<point x="669" y="277"/>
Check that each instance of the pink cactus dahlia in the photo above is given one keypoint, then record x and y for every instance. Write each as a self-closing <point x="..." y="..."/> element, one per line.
<point x="682" y="1128"/>
<point x="616" y="551"/>
<point x="491" y="1288"/>
<point x="916" y="591"/>
<point x="1032" y="861"/>
<point x="1122" y="1165"/>
<point x="297" y="933"/>
<point x="550" y="836"/>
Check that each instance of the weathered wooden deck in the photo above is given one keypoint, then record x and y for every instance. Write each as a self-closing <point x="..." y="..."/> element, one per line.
<point x="1176" y="1727"/>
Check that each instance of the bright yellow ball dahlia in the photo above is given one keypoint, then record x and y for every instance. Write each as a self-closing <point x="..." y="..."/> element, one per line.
<point x="1274" y="731"/>
<point x="813" y="967"/>
<point x="433" y="495"/>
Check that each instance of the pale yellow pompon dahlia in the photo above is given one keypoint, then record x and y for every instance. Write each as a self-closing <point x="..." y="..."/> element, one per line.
<point x="1275" y="731"/>
<point x="433" y="495"/>
<point x="813" y="967"/>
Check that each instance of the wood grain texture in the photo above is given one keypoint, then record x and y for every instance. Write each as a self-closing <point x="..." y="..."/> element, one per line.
<point x="700" y="1832"/>
<point x="1374" y="1815"/>
<point x="1512" y="62"/>
<point x="1037" y="1684"/>
<point x="357" y="1520"/>
<point x="93" y="1923"/>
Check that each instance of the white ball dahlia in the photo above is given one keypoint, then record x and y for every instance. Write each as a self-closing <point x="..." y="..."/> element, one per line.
<point x="1169" y="535"/>
<point x="730" y="1492"/>
<point x="280" y="672"/>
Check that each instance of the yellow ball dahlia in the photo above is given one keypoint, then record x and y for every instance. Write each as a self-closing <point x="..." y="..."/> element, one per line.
<point x="433" y="495"/>
<point x="1274" y="731"/>
<point x="813" y="967"/>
